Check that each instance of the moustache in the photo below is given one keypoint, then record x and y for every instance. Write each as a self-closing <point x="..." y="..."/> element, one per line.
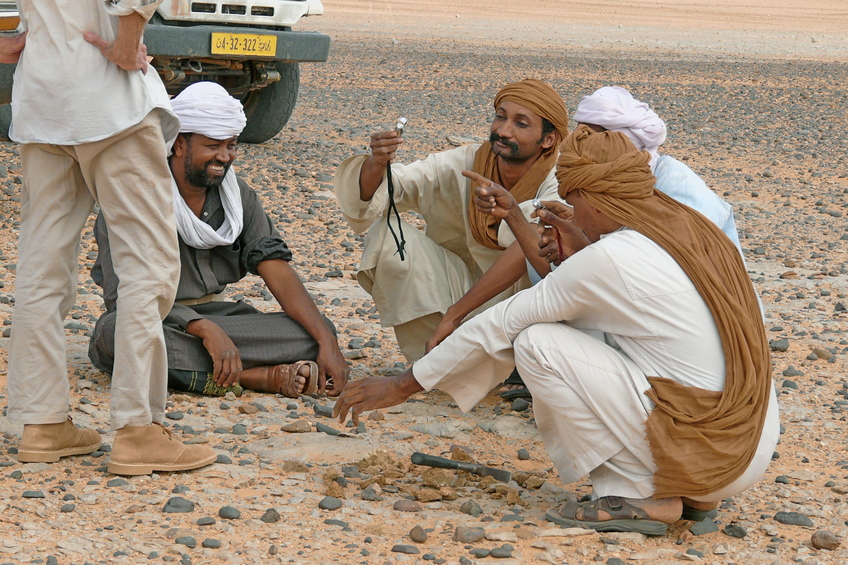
<point x="495" y="138"/>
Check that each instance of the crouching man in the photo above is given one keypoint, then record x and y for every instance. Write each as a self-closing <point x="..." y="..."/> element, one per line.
<point x="645" y="354"/>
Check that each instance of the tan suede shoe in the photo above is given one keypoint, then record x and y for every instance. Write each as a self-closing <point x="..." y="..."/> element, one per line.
<point x="141" y="450"/>
<point x="46" y="443"/>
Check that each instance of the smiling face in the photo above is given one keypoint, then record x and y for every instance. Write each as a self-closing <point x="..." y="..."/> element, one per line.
<point x="593" y="223"/>
<point x="517" y="134"/>
<point x="205" y="160"/>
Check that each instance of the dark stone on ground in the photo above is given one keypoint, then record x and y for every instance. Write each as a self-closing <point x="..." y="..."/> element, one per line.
<point x="187" y="541"/>
<point x="735" y="531"/>
<point x="178" y="504"/>
<point x="229" y="513"/>
<point x="418" y="534"/>
<point x="330" y="503"/>
<point x="408" y="549"/>
<point x="270" y="516"/>
<point x="471" y="508"/>
<point x="793" y="519"/>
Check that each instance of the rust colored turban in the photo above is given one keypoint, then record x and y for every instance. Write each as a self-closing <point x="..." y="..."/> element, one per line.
<point x="701" y="440"/>
<point x="541" y="99"/>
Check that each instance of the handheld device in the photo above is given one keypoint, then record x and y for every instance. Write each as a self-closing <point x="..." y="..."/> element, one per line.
<point x="537" y="204"/>
<point x="401" y="123"/>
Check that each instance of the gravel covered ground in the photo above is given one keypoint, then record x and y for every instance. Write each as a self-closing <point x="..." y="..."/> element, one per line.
<point x="767" y="132"/>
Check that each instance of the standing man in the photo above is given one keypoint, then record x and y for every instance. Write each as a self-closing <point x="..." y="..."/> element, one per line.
<point x="214" y="345"/>
<point x="94" y="125"/>
<point x="459" y="243"/>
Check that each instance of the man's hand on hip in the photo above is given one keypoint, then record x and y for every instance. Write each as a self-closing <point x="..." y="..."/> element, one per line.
<point x="127" y="51"/>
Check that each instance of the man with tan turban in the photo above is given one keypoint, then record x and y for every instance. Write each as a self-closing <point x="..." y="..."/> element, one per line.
<point x="646" y="354"/>
<point x="412" y="289"/>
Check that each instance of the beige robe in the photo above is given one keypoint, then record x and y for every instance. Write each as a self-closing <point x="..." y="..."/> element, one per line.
<point x="443" y="262"/>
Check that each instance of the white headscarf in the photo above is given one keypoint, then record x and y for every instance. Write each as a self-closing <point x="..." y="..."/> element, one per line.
<point x="206" y="108"/>
<point x="615" y="109"/>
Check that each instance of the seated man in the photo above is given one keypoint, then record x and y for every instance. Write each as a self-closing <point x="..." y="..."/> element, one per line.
<point x="215" y="346"/>
<point x="646" y="353"/>
<point x="413" y="289"/>
<point x="608" y="108"/>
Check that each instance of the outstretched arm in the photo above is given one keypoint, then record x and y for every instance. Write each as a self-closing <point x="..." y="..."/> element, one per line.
<point x="289" y="291"/>
<point x="373" y="393"/>
<point x="504" y="273"/>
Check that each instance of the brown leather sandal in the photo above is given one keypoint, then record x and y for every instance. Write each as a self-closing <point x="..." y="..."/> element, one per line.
<point x="281" y="379"/>
<point x="624" y="517"/>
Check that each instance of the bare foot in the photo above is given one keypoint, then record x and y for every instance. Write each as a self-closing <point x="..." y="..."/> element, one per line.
<point x="698" y="505"/>
<point x="266" y="379"/>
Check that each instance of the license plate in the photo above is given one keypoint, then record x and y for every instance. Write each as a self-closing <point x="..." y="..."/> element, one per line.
<point x="9" y="22"/>
<point x="244" y="44"/>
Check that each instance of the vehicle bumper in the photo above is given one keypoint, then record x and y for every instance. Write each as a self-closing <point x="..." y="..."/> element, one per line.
<point x="196" y="42"/>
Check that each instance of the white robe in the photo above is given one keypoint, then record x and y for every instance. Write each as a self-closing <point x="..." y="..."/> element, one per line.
<point x="443" y="262"/>
<point x="584" y="339"/>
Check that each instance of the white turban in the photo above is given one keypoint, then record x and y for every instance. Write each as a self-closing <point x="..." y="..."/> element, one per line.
<point x="615" y="109"/>
<point x="208" y="109"/>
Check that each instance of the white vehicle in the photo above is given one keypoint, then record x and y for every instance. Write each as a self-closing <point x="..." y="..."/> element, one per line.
<point x="247" y="46"/>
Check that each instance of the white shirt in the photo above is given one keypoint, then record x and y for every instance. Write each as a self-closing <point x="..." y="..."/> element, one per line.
<point x="65" y="91"/>
<point x="625" y="286"/>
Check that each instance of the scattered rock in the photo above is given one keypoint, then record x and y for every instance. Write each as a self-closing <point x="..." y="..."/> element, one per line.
<point x="229" y="513"/>
<point x="297" y="427"/>
<point x="178" y="504"/>
<point x="823" y="539"/>
<point x="464" y="534"/>
<point x="408" y="549"/>
<point x="793" y="519"/>
<point x="418" y="534"/>
<point x="330" y="503"/>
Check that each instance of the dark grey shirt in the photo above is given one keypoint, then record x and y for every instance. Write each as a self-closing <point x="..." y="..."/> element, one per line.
<point x="204" y="271"/>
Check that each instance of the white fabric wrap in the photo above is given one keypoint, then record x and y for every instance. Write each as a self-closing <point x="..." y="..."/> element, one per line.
<point x="200" y="235"/>
<point x="615" y="109"/>
<point x="208" y="109"/>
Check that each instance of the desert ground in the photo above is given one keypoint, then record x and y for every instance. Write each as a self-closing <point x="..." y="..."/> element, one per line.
<point x="753" y="95"/>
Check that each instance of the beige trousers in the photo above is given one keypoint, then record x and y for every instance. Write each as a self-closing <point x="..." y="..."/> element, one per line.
<point x="128" y="175"/>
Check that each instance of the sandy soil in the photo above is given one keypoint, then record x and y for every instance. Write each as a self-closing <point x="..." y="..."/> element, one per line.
<point x="754" y="97"/>
<point x="698" y="28"/>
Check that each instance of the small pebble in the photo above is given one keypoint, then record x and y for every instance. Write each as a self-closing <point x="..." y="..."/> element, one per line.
<point x="823" y="539"/>
<point x="330" y="503"/>
<point x="404" y="505"/>
<point x="178" y="504"/>
<point x="464" y="534"/>
<point x="229" y="513"/>
<point x="471" y="508"/>
<point x="270" y="516"/>
<point x="408" y="549"/>
<point x="418" y="534"/>
<point x="793" y="519"/>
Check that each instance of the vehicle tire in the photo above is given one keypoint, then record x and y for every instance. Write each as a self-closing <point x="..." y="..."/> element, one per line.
<point x="5" y="120"/>
<point x="268" y="109"/>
